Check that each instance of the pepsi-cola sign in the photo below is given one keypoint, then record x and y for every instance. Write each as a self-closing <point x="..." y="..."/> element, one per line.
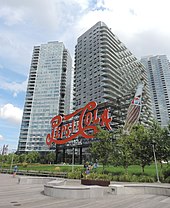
<point x="83" y="122"/>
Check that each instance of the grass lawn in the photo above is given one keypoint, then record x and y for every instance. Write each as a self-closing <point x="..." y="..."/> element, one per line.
<point x="133" y="169"/>
<point x="51" y="168"/>
<point x="134" y="172"/>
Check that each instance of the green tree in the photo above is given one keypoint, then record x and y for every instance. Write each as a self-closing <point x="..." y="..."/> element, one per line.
<point x="161" y="139"/>
<point x="102" y="148"/>
<point x="166" y="143"/>
<point x="122" y="151"/>
<point x="12" y="156"/>
<point x="50" y="157"/>
<point x="33" y="157"/>
<point x="2" y="160"/>
<point x="141" y="145"/>
<point x="22" y="157"/>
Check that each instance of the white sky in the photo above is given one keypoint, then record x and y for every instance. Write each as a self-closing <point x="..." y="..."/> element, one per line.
<point x="142" y="25"/>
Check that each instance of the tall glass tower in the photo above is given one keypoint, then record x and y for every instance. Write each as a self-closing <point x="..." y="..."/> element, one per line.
<point x="106" y="71"/>
<point x="158" y="69"/>
<point x="48" y="94"/>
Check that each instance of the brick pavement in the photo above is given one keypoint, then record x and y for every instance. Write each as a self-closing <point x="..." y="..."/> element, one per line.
<point x="14" y="195"/>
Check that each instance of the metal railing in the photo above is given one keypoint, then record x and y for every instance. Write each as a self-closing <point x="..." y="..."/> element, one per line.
<point x="36" y="173"/>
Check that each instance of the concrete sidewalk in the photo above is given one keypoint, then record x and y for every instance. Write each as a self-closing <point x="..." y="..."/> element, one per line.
<point x="13" y="195"/>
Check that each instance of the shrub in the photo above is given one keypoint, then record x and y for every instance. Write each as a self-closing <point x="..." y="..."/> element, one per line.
<point x="5" y="165"/>
<point x="166" y="172"/>
<point x="115" y="178"/>
<point x="112" y="172"/>
<point x="146" y="179"/>
<point x="74" y="175"/>
<point x="57" y="168"/>
<point x="65" y="169"/>
<point x="116" y="173"/>
<point x="81" y="169"/>
<point x="134" y="178"/>
<point x="106" y="172"/>
<point x="106" y="177"/>
<point x="90" y="176"/>
<point x="167" y="180"/>
<point x="140" y="174"/>
<point x="98" y="176"/>
<point x="125" y="178"/>
<point x="24" y="165"/>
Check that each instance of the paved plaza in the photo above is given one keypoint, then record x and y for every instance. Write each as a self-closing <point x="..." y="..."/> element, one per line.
<point x="13" y="195"/>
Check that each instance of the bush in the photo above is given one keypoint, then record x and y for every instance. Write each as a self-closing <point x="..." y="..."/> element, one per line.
<point x="90" y="176"/>
<point x="57" y="169"/>
<point x="81" y="169"/>
<point x="167" y="180"/>
<point x="116" y="173"/>
<point x="140" y="174"/>
<point x="146" y="179"/>
<point x="98" y="176"/>
<point x="106" y="172"/>
<point x="106" y="177"/>
<point x="124" y="178"/>
<point x="5" y="165"/>
<point x="115" y="178"/>
<point x="24" y="165"/>
<point x="74" y="175"/>
<point x="166" y="172"/>
<point x="65" y="169"/>
<point x="134" y="178"/>
<point x="113" y="172"/>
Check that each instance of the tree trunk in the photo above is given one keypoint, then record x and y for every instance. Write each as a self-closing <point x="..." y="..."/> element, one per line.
<point x="143" y="168"/>
<point x="161" y="165"/>
<point x="126" y="169"/>
<point x="103" y="168"/>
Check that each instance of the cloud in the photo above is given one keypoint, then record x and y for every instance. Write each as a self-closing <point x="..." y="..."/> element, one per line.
<point x="14" y="87"/>
<point x="17" y="48"/>
<point x="1" y="138"/>
<point x="150" y="42"/>
<point x="42" y="14"/>
<point x="11" y="113"/>
<point x="33" y="22"/>
<point x="11" y="16"/>
<point x="28" y="23"/>
<point x="131" y="21"/>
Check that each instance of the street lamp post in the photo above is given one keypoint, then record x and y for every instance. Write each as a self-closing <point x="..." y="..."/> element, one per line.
<point x="73" y="150"/>
<point x="12" y="160"/>
<point x="75" y="144"/>
<point x="154" y="154"/>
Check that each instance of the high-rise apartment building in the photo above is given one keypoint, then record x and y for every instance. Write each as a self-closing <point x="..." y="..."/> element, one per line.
<point x="48" y="94"/>
<point x="106" y="71"/>
<point x="158" y="70"/>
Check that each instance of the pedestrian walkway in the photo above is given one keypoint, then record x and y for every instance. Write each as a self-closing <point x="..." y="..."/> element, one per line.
<point x="14" y="195"/>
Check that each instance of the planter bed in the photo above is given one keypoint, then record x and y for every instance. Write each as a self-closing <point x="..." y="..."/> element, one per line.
<point x="95" y="182"/>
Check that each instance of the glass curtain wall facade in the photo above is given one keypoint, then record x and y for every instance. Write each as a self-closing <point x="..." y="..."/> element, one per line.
<point x="158" y="70"/>
<point x="48" y="94"/>
<point x="105" y="71"/>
